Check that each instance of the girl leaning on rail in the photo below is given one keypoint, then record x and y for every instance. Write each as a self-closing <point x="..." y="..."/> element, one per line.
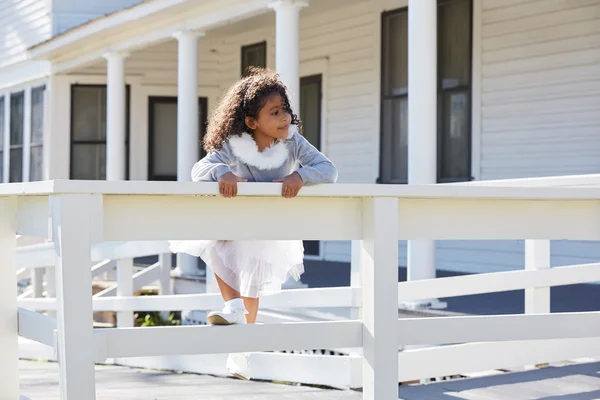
<point x="254" y="136"/>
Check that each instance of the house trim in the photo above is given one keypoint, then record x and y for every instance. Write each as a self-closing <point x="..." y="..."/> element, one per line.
<point x="476" y="89"/>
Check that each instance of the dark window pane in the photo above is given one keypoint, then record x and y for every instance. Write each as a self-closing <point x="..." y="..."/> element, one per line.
<point x="395" y="54"/>
<point x="395" y="140"/>
<point x="455" y="140"/>
<point x="311" y="247"/>
<point x="16" y="165"/>
<point x="310" y="109"/>
<point x="37" y="115"/>
<point x="254" y="55"/>
<point x="89" y="113"/>
<point x="164" y="148"/>
<point x="88" y="161"/>
<point x="454" y="50"/>
<point x="36" y="163"/>
<point x="16" y="118"/>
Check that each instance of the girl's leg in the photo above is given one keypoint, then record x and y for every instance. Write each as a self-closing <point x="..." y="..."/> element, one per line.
<point x="229" y="293"/>
<point x="251" y="304"/>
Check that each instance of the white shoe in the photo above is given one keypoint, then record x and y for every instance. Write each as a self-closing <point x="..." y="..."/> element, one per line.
<point x="238" y="365"/>
<point x="228" y="316"/>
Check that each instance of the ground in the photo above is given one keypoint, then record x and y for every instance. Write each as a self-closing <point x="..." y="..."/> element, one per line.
<point x="39" y="381"/>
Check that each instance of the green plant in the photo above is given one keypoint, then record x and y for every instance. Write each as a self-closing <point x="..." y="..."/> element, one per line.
<point x="153" y="319"/>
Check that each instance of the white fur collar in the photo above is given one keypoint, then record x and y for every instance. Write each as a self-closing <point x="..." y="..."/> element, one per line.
<point x="244" y="147"/>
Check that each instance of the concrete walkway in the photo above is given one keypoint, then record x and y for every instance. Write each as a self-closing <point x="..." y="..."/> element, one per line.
<point x="39" y="381"/>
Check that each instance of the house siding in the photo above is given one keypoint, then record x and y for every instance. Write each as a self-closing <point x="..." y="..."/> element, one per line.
<point x="23" y="23"/>
<point x="71" y="13"/>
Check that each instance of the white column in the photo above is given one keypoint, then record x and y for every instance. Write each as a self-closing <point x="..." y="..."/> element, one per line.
<point x="379" y="276"/>
<point x="116" y="108"/>
<point x="287" y="46"/>
<point x="9" y="347"/>
<point x="26" y="135"/>
<point x="188" y="130"/>
<point x="537" y="257"/>
<point x="164" y="280"/>
<point x="6" y="140"/>
<point x="72" y="234"/>
<point x="422" y="125"/>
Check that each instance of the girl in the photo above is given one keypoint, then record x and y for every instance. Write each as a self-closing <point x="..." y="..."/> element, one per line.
<point x="253" y="136"/>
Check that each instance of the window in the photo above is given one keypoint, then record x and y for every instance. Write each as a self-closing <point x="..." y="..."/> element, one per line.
<point x="1" y="138"/>
<point x="310" y="114"/>
<point x="88" y="132"/>
<point x="454" y="93"/>
<point x="36" y="171"/>
<point x="16" y="137"/>
<point x="254" y="55"/>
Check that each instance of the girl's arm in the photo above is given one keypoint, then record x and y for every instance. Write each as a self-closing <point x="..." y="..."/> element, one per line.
<point x="314" y="168"/>
<point x="211" y="167"/>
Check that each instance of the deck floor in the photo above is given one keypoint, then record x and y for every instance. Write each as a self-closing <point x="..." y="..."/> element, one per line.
<point x="39" y="381"/>
<point x="571" y="382"/>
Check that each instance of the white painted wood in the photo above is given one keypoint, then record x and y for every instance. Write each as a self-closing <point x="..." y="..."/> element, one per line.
<point x="451" y="219"/>
<point x="355" y="274"/>
<point x="37" y="282"/>
<point x="498" y="282"/>
<point x="537" y="257"/>
<point x="22" y="24"/>
<point x="72" y="217"/>
<point x="197" y="217"/>
<point x="103" y="267"/>
<point x="25" y="177"/>
<point x="164" y="279"/>
<point x="477" y="89"/>
<point x="125" y="288"/>
<point x="379" y="268"/>
<point x="115" y="116"/>
<point x="422" y="121"/>
<point x="441" y="330"/>
<point x="290" y="298"/>
<point x="33" y="216"/>
<point x="139" y="342"/>
<point x="9" y="367"/>
<point x="475" y="357"/>
<point x="140" y="279"/>
<point x="38" y="327"/>
<point x="287" y="41"/>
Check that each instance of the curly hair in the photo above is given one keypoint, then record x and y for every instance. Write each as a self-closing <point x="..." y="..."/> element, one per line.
<point x="244" y="99"/>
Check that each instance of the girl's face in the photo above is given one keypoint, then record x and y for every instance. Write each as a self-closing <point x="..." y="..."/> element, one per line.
<point x="272" y="119"/>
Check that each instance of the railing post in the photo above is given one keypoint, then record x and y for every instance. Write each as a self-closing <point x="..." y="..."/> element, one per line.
<point x="537" y="257"/>
<point x="9" y="337"/>
<point x="72" y="232"/>
<point x="37" y="282"/>
<point x="164" y="280"/>
<point x="355" y="272"/>
<point x="379" y="266"/>
<point x="125" y="288"/>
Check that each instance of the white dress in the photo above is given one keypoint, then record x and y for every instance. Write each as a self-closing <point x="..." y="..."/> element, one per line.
<point x="257" y="267"/>
<point x="252" y="267"/>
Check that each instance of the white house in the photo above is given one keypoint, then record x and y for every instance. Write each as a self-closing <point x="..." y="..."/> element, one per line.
<point x="89" y="90"/>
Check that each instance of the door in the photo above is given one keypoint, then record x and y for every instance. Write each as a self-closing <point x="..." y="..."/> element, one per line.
<point x="162" y="136"/>
<point x="310" y="114"/>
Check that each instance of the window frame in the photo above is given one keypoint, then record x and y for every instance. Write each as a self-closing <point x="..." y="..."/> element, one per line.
<point x="72" y="140"/>
<point x="249" y="47"/>
<point x="12" y="146"/>
<point x="441" y="92"/>
<point x="2" y="134"/>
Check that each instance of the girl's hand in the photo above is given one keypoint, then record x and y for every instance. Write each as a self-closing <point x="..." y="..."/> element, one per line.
<point x="291" y="185"/>
<point x="228" y="184"/>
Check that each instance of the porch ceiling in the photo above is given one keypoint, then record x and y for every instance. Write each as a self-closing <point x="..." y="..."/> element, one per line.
<point x="140" y="26"/>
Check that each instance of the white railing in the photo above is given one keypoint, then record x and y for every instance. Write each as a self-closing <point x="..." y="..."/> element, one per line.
<point x="377" y="216"/>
